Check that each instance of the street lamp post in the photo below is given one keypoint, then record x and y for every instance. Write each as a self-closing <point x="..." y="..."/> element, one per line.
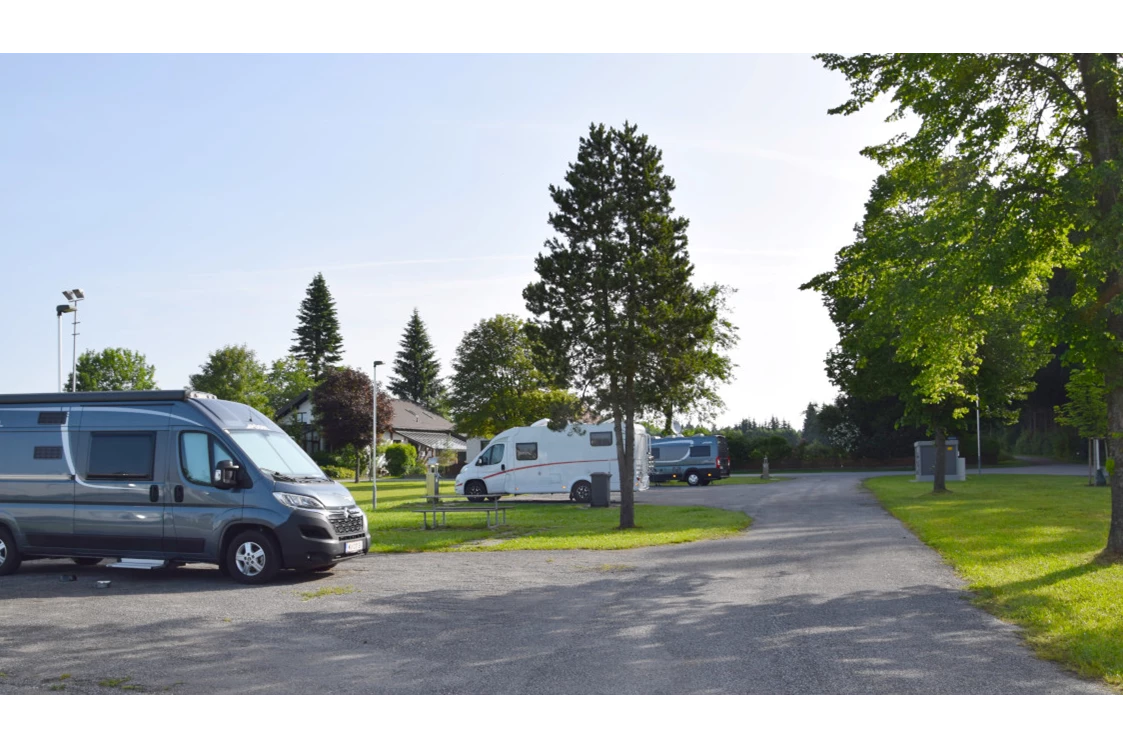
<point x="979" y="431"/>
<point x="73" y="296"/>
<point x="60" y="310"/>
<point x="374" y="445"/>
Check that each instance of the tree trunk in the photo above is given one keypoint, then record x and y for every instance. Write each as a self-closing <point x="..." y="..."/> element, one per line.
<point x="1091" y="475"/>
<point x="939" y="479"/>
<point x="358" y="464"/>
<point x="1115" y="451"/>
<point x="668" y="419"/>
<point x="628" y="474"/>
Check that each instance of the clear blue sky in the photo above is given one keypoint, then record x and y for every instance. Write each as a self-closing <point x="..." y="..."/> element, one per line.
<point x="193" y="198"/>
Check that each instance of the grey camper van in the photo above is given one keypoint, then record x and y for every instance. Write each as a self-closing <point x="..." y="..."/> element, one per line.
<point x="698" y="460"/>
<point x="157" y="477"/>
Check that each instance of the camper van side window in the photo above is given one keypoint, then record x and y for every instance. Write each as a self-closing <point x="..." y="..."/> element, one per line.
<point x="121" y="456"/>
<point x="600" y="438"/>
<point x="702" y="451"/>
<point x="493" y="456"/>
<point x="655" y="453"/>
<point x="198" y="454"/>
<point x="526" y="451"/>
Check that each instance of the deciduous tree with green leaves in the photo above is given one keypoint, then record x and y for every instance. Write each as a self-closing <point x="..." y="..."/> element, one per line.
<point x="495" y="384"/>
<point x="317" y="338"/>
<point x="1022" y="155"/>
<point x="113" y="369"/>
<point x="288" y="378"/>
<point x="417" y="372"/>
<point x="615" y="305"/>
<point x="234" y="373"/>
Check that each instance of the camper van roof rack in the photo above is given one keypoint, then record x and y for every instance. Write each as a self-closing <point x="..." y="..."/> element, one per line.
<point x="123" y="396"/>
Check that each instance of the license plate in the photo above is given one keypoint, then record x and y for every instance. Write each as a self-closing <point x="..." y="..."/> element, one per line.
<point x="353" y="547"/>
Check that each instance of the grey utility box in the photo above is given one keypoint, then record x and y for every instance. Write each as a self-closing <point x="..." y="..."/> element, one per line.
<point x="601" y="491"/>
<point x="925" y="455"/>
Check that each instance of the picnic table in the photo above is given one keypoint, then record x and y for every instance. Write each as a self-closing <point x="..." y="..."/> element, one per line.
<point x="496" y="515"/>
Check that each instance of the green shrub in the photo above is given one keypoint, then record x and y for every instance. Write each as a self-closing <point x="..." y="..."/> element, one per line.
<point x="992" y="450"/>
<point x="1110" y="464"/>
<point x="338" y="473"/>
<point x="400" y="459"/>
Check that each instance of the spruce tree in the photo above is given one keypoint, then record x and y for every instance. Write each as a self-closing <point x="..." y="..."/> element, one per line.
<point x="417" y="373"/>
<point x="317" y="338"/>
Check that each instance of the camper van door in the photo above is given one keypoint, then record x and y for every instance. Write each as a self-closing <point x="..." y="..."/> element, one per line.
<point x="494" y="461"/>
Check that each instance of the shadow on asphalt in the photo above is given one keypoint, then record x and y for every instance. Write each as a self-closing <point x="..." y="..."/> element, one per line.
<point x="619" y="632"/>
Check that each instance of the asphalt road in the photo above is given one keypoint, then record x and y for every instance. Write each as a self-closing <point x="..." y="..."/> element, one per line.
<point x="825" y="594"/>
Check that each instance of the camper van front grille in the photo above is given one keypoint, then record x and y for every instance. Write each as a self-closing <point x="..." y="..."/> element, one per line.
<point x="345" y="523"/>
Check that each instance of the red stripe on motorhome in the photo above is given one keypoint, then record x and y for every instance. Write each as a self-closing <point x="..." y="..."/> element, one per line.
<point x="540" y="465"/>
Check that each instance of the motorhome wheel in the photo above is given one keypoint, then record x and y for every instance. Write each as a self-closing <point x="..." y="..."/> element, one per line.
<point x="9" y="554"/>
<point x="582" y="492"/>
<point x="692" y="479"/>
<point x="252" y="558"/>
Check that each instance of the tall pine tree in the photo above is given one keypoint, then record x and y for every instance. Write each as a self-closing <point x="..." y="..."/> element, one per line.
<point x="417" y="373"/>
<point x="317" y="338"/>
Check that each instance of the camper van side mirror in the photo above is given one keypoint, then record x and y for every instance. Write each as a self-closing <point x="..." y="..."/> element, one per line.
<point x="226" y="475"/>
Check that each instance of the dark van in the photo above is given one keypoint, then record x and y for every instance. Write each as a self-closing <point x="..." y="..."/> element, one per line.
<point x="697" y="460"/>
<point x="155" y="477"/>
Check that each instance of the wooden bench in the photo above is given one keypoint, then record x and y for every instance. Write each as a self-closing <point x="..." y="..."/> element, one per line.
<point x="500" y="513"/>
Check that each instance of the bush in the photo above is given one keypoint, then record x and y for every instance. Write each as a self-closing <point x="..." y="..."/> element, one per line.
<point x="992" y="450"/>
<point x="338" y="473"/>
<point x="401" y="459"/>
<point x="816" y="451"/>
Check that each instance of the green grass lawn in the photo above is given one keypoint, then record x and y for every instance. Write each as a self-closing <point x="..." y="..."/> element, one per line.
<point x="566" y="526"/>
<point x="1028" y="545"/>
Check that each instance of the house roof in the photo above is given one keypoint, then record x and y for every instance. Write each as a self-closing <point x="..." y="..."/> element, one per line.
<point x="408" y="415"/>
<point x="433" y="439"/>
<point x="293" y="404"/>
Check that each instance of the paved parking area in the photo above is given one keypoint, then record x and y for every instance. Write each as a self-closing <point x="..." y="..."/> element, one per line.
<point x="826" y="593"/>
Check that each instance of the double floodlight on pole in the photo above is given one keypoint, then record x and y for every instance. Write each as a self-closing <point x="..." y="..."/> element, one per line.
<point x="374" y="444"/>
<point x="74" y="296"/>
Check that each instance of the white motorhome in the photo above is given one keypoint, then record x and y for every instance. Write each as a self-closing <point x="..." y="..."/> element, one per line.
<point x="537" y="459"/>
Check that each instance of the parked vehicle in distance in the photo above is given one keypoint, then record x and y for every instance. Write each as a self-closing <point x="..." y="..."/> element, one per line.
<point x="157" y="477"/>
<point x="698" y="460"/>
<point x="537" y="459"/>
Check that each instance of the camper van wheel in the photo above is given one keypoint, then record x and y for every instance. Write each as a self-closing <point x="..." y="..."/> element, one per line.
<point x="9" y="554"/>
<point x="582" y="492"/>
<point x="692" y="479"/>
<point x="252" y="558"/>
<point x="475" y="490"/>
<point x="86" y="561"/>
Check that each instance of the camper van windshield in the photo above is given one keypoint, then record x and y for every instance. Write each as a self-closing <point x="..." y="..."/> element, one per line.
<point x="277" y="453"/>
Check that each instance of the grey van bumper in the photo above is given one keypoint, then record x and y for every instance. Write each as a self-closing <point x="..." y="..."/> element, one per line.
<point x="308" y="540"/>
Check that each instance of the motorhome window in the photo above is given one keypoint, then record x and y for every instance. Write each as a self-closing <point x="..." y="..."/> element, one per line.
<point x="700" y="451"/>
<point x="198" y="455"/>
<point x="600" y="438"/>
<point x="655" y="453"/>
<point x="493" y="456"/>
<point x="121" y="456"/>
<point x="674" y="452"/>
<point x="526" y="451"/>
<point x="275" y="452"/>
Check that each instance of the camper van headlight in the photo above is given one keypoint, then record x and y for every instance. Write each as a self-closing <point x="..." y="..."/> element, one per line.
<point x="297" y="501"/>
